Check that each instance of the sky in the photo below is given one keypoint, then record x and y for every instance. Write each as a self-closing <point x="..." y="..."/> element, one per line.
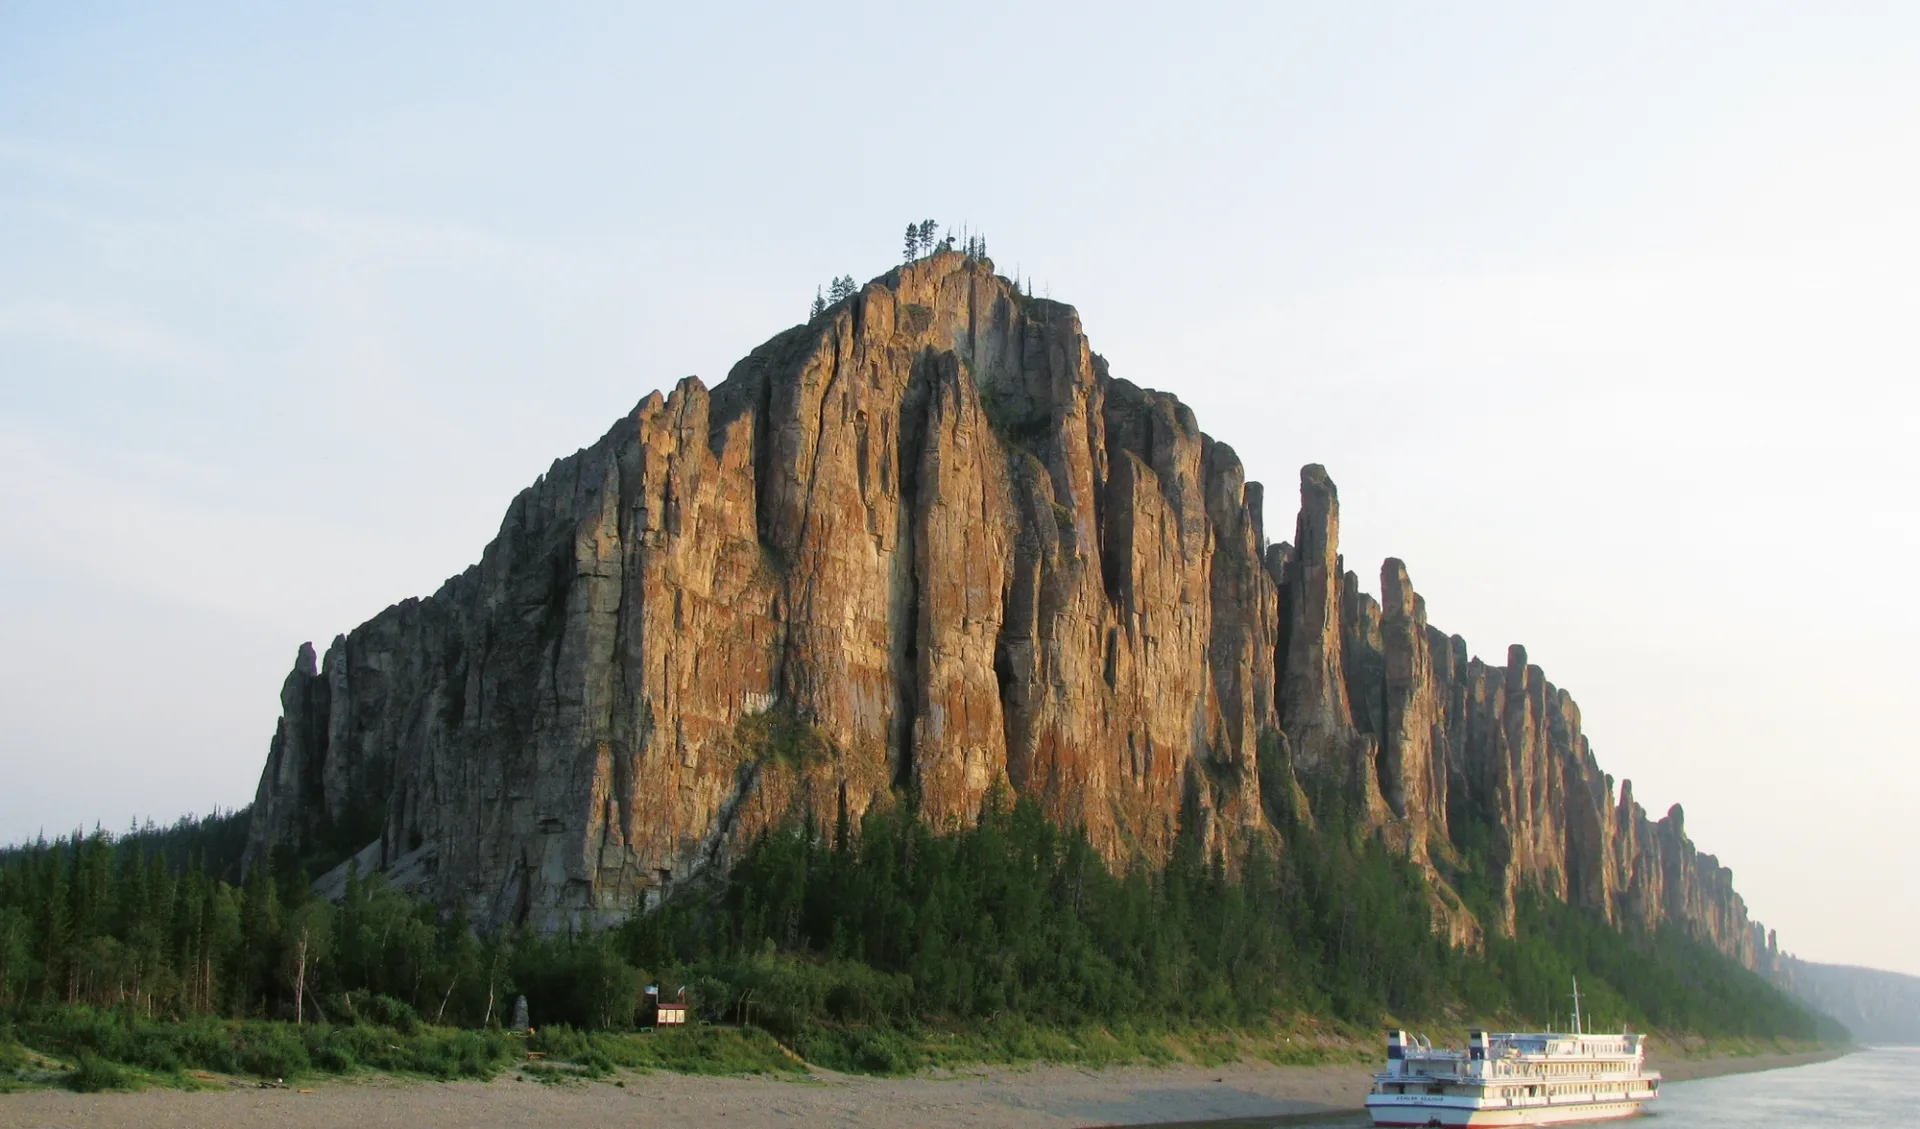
<point x="1604" y="317"/>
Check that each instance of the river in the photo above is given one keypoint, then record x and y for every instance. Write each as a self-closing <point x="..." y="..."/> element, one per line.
<point x="1866" y="1088"/>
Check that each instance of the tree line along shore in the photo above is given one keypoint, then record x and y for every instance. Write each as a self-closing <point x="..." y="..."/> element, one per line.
<point x="147" y="958"/>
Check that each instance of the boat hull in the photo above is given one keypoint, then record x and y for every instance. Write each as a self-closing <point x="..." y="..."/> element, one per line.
<point x="1422" y="1115"/>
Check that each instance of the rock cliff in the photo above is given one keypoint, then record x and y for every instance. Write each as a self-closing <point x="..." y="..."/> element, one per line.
<point x="918" y="549"/>
<point x="1874" y="1006"/>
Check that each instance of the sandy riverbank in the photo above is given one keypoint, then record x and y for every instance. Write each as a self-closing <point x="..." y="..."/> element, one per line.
<point x="1677" y="1069"/>
<point x="1047" y="1097"/>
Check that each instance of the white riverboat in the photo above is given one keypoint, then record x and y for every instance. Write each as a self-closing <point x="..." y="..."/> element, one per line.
<point x="1513" y="1078"/>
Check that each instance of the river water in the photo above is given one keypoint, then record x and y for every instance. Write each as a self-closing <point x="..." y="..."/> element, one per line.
<point x="1866" y="1088"/>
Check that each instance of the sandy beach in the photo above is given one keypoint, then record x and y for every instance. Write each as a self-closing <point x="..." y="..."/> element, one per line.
<point x="1046" y="1097"/>
<point x="1676" y="1069"/>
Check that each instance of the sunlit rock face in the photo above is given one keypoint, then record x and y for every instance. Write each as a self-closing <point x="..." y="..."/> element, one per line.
<point x="923" y="549"/>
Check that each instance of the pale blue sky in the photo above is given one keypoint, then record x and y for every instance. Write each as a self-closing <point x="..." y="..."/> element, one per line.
<point x="1602" y="316"/>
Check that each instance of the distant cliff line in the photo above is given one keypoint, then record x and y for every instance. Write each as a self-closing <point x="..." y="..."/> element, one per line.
<point x="1875" y="1005"/>
<point x="929" y="527"/>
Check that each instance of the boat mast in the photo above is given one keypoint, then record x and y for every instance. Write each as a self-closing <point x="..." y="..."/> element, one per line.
<point x="1576" y="1007"/>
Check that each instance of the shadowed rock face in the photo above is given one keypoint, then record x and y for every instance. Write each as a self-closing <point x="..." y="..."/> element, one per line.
<point x="925" y="546"/>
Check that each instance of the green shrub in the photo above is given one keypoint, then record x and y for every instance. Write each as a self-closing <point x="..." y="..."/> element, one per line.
<point x="885" y="1052"/>
<point x="559" y="1041"/>
<point x="267" y="1049"/>
<point x="468" y="1054"/>
<point x="864" y="1050"/>
<point x="714" y="1050"/>
<point x="781" y="735"/>
<point x="95" y="1074"/>
<point x="385" y="1011"/>
<point x="107" y="1035"/>
<point x="271" y="1050"/>
<point x="14" y="1062"/>
<point x="695" y="1050"/>
<point x="332" y="1057"/>
<point x="437" y="1052"/>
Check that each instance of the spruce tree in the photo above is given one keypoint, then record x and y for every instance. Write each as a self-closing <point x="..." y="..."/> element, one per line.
<point x="913" y="242"/>
<point x="14" y="930"/>
<point x="259" y="932"/>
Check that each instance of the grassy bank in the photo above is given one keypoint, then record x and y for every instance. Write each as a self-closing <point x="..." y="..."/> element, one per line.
<point x="92" y="1050"/>
<point x="1689" y="1047"/>
<point x="93" y="1044"/>
<point x="88" y="1050"/>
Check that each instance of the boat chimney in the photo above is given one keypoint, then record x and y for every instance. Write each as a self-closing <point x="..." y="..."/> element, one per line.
<point x="1396" y="1050"/>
